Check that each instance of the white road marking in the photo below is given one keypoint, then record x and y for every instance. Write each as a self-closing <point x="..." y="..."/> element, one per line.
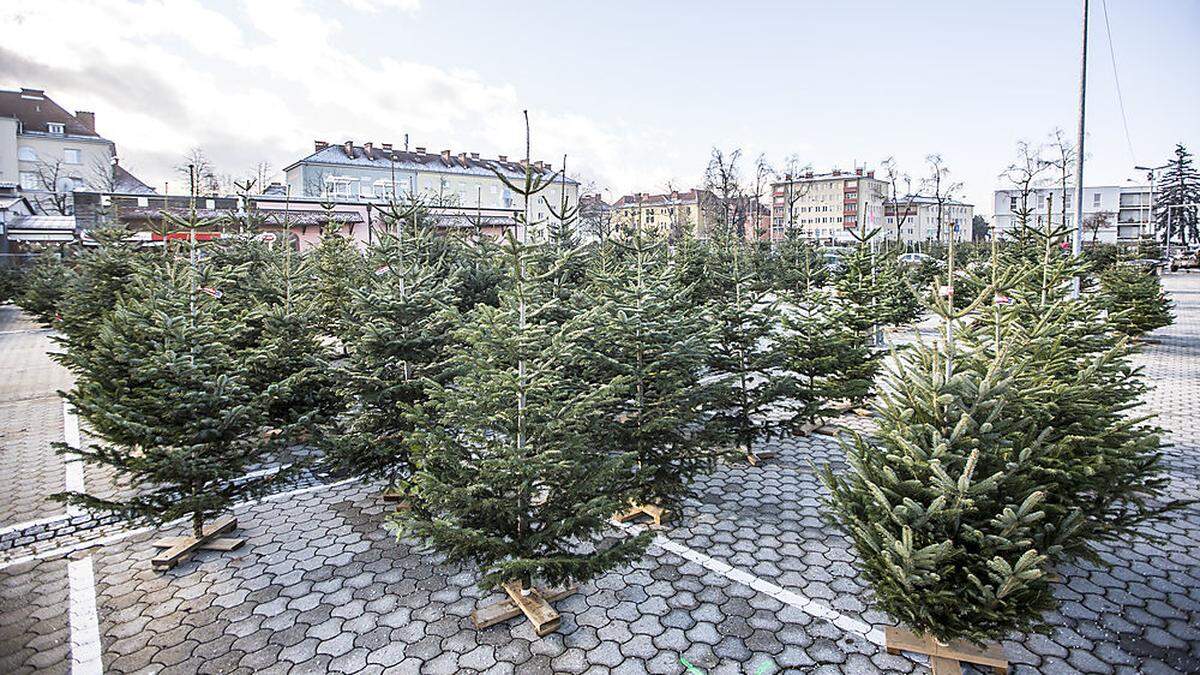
<point x="85" y="628"/>
<point x="74" y="466"/>
<point x="792" y="598"/>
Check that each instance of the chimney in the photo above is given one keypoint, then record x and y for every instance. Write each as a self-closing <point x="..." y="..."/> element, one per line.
<point x="837" y="172"/>
<point x="32" y="93"/>
<point x="420" y="150"/>
<point x="549" y="166"/>
<point x="446" y="156"/>
<point x="870" y="174"/>
<point x="462" y="158"/>
<point x="88" y="119"/>
<point x="319" y="146"/>
<point x="674" y="194"/>
<point x="474" y="155"/>
<point x="348" y="147"/>
<point x="858" y="172"/>
<point x="367" y="148"/>
<point x="537" y="164"/>
<point x="808" y="174"/>
<point x="503" y="158"/>
<point x="387" y="147"/>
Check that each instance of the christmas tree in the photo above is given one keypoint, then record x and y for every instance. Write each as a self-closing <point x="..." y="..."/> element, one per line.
<point x="405" y="311"/>
<point x="508" y="477"/>
<point x="337" y="269"/>
<point x="655" y="342"/>
<point x="1135" y="300"/>
<point x="1178" y="192"/>
<point x="757" y="397"/>
<point x="863" y="311"/>
<point x="101" y="274"/>
<point x="43" y="286"/>
<point x="164" y="395"/>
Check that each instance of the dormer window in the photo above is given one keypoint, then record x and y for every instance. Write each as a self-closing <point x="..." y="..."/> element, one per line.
<point x="57" y="128"/>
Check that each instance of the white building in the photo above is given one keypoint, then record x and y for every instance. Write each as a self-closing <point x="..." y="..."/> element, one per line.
<point x="916" y="217"/>
<point x="49" y="152"/>
<point x="827" y="206"/>
<point x="1111" y="213"/>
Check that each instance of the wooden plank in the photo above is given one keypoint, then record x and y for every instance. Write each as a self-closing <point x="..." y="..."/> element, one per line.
<point x="545" y="619"/>
<point x="655" y="512"/>
<point x="218" y="544"/>
<point x="499" y="612"/>
<point x="898" y="640"/>
<point x="629" y="514"/>
<point x="175" y="552"/>
<point x="940" y="665"/>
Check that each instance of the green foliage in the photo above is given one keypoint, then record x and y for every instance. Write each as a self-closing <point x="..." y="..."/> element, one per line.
<point x="654" y="342"/>
<point x="101" y="275"/>
<point x="165" y="396"/>
<point x="337" y="269"/>
<point x="1135" y="300"/>
<point x="508" y="477"/>
<point x="944" y="511"/>
<point x="44" y="285"/>
<point x="405" y="312"/>
<point x="11" y="277"/>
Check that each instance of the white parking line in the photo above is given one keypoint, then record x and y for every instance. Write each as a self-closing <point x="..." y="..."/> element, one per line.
<point x="792" y="598"/>
<point x="74" y="464"/>
<point x="85" y="628"/>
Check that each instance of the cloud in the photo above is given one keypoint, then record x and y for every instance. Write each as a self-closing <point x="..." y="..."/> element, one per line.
<point x="262" y="82"/>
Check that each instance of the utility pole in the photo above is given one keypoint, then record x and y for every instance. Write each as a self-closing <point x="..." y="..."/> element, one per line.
<point x="1077" y="236"/>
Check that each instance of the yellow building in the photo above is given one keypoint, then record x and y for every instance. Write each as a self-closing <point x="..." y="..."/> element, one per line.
<point x="695" y="211"/>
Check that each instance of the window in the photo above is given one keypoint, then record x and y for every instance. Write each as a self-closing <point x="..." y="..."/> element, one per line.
<point x="1012" y="204"/>
<point x="57" y="128"/>
<point x="385" y="189"/>
<point x="26" y="154"/>
<point x="71" y="156"/>
<point x="1095" y="199"/>
<point x="29" y="180"/>
<point x="338" y="186"/>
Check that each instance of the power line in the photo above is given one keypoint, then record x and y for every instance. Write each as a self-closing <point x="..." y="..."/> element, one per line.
<point x="1112" y="54"/>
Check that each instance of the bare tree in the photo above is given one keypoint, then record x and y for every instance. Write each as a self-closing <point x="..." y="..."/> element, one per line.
<point x="723" y="178"/>
<point x="1096" y="222"/>
<point x="261" y="172"/>
<point x="1063" y="159"/>
<point x="199" y="173"/>
<point x="895" y="178"/>
<point x="762" y="183"/>
<point x="1024" y="174"/>
<point x="56" y="188"/>
<point x="793" y="191"/>
<point x="942" y="188"/>
<point x="102" y="175"/>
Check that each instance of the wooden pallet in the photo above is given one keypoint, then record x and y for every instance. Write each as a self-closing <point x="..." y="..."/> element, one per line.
<point x="178" y="549"/>
<point x="637" y="510"/>
<point x="945" y="659"/>
<point x="399" y="499"/>
<point x="535" y="606"/>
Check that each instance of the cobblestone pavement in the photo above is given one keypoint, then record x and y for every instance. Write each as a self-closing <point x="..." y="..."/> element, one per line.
<point x="747" y="579"/>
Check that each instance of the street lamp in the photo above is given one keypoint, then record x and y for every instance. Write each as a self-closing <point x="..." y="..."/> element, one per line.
<point x="1152" y="170"/>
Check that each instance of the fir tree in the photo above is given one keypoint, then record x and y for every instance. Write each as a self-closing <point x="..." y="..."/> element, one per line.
<point x="508" y="476"/>
<point x="756" y="399"/>
<point x="101" y="275"/>
<point x="864" y="311"/>
<point x="1174" y="204"/>
<point x="163" y="392"/>
<point x="944" y="511"/>
<point x="653" y="340"/>
<point x="1135" y="300"/>
<point x="406" y="314"/>
<point x="43" y="286"/>
<point x="337" y="269"/>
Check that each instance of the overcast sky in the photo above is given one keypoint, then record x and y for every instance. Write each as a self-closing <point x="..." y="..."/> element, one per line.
<point x="636" y="93"/>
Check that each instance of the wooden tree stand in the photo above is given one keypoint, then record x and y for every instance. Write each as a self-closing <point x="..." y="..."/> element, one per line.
<point x="756" y="458"/>
<point x="179" y="549"/>
<point x="402" y="504"/>
<point x="945" y="659"/>
<point x="535" y="605"/>
<point x="636" y="510"/>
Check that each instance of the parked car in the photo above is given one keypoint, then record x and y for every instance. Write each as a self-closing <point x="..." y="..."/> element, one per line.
<point x="915" y="258"/>
<point x="1183" y="260"/>
<point x="1148" y="264"/>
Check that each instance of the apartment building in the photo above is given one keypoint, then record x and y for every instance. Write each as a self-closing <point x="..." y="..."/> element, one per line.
<point x="917" y="219"/>
<point x="696" y="211"/>
<point x="49" y="152"/>
<point x="827" y="206"/>
<point x="1111" y="213"/>
<point x="370" y="173"/>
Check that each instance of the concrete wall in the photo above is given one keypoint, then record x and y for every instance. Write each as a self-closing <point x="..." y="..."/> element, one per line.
<point x="8" y="151"/>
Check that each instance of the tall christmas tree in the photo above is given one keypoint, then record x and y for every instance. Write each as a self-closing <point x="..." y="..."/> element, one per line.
<point x="337" y="269"/>
<point x="864" y="304"/>
<point x="164" y="395"/>
<point x="1135" y="300"/>
<point x="406" y="314"/>
<point x="508" y="477"/>
<point x="757" y="398"/>
<point x="655" y="342"/>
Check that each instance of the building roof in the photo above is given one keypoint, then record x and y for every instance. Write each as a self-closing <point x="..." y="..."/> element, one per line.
<point x="924" y="199"/>
<point x="126" y="183"/>
<point x="837" y="174"/>
<point x="36" y="112"/>
<point x="348" y="154"/>
<point x="665" y="199"/>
